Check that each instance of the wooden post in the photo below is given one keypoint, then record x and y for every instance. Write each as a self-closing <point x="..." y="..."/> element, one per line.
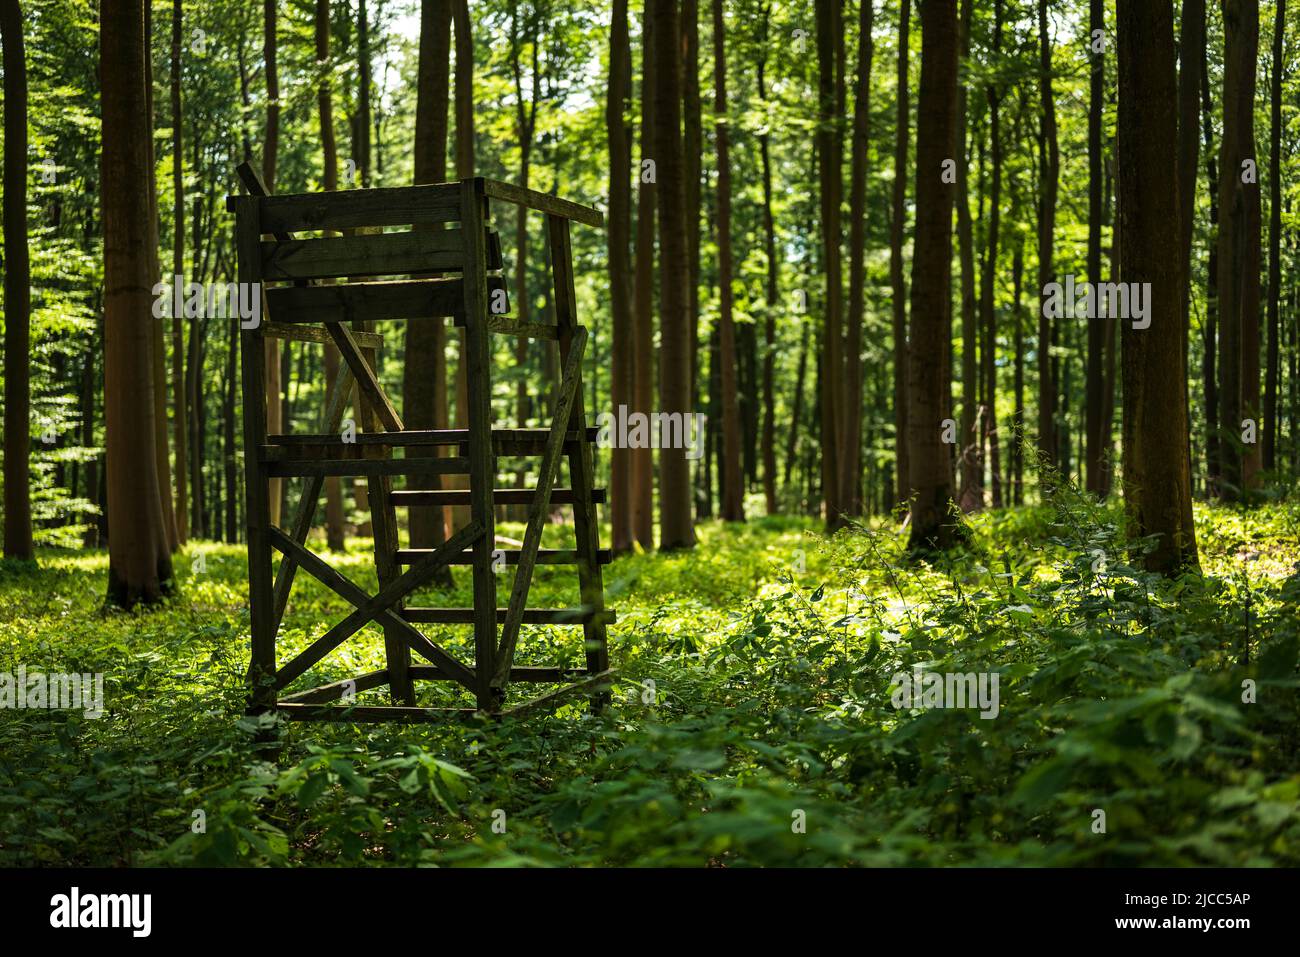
<point x="252" y="354"/>
<point x="482" y="460"/>
<point x="580" y="459"/>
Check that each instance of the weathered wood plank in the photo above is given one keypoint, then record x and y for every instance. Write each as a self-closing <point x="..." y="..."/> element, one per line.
<point x="303" y="333"/>
<point x="581" y="465"/>
<point x="395" y="206"/>
<point x="506" y="325"/>
<point x="369" y="385"/>
<point x="373" y="301"/>
<point x="531" y="616"/>
<point x="374" y="607"/>
<point x="597" y="682"/>
<point x="545" y="556"/>
<point x="532" y="673"/>
<point x="432" y="437"/>
<point x="539" y="511"/>
<point x="337" y="689"/>
<point x="367" y="467"/>
<point x="543" y="202"/>
<point x="372" y="713"/>
<point x="384" y="254"/>
<point x="500" y="496"/>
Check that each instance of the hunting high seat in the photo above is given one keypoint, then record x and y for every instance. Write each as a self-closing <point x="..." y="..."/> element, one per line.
<point x="325" y="290"/>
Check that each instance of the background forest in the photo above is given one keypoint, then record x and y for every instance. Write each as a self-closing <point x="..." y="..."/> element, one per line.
<point x="848" y="233"/>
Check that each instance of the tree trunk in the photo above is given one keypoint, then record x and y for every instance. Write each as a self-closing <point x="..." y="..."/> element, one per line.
<point x="1209" y="337"/>
<point x="1050" y="170"/>
<point x="424" y="374"/>
<point x="1271" y="427"/>
<point x="934" y="522"/>
<point x="772" y="293"/>
<point x="676" y="517"/>
<point x="692" y="124"/>
<point x="829" y="149"/>
<point x="334" y="535"/>
<point x="897" y="282"/>
<point x="850" y="477"/>
<point x="988" y="311"/>
<point x="971" y="495"/>
<point x="17" y="285"/>
<point x="179" y="417"/>
<point x="1096" y="448"/>
<point x="733" y="497"/>
<point x="274" y="402"/>
<point x="641" y="460"/>
<point x="1239" y="251"/>
<point x="620" y="266"/>
<point x="140" y="568"/>
<point x="1190" y="53"/>
<point x="1157" y="469"/>
<point x="228" y="437"/>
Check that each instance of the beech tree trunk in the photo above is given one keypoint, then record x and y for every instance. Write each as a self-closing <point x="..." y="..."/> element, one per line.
<point x="139" y="559"/>
<point x="620" y="265"/>
<point x="733" y="486"/>
<point x="773" y="282"/>
<point x="934" y="520"/>
<point x="642" y="459"/>
<point x="897" y="226"/>
<point x="1270" y="426"/>
<point x="829" y="161"/>
<point x="17" y="285"/>
<point x="1157" y="467"/>
<point x="1049" y="172"/>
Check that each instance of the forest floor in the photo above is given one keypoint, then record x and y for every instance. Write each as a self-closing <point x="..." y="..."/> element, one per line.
<point x="1138" y="721"/>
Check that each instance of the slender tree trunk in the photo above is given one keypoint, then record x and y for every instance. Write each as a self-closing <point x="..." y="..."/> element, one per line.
<point x="1050" y="170"/>
<point x="641" y="460"/>
<point x="274" y="401"/>
<point x="1017" y="481"/>
<point x="850" y="477"/>
<point x="676" y="525"/>
<point x="773" y="281"/>
<point x="934" y="522"/>
<point x="620" y="266"/>
<point x="1270" y="425"/>
<point x="17" y="286"/>
<point x="140" y="568"/>
<point x="1190" y="54"/>
<point x="179" y="418"/>
<point x="693" y="133"/>
<point x="988" y="310"/>
<point x="228" y="437"/>
<point x="334" y="534"/>
<point x="1238" y="249"/>
<point x="797" y="412"/>
<point x="829" y="149"/>
<point x="1096" y="449"/>
<point x="897" y="226"/>
<point x="1157" y="467"/>
<point x="733" y="490"/>
<point x="971" y="495"/>
<point x="1209" y="335"/>
<point x="424" y="376"/>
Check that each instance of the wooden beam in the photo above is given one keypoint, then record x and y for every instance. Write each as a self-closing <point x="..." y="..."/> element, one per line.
<point x="366" y="467"/>
<point x="532" y="673"/>
<point x="545" y="556"/>
<point x="553" y="699"/>
<point x="543" y="202"/>
<point x="383" y="254"/>
<point x="373" y="301"/>
<point x="531" y="616"/>
<point x="379" y="604"/>
<point x="372" y="713"/>
<point x="304" y="333"/>
<point x="337" y="689"/>
<point x="346" y="209"/>
<point x="369" y="385"/>
<point x="500" y="496"/>
<point x="538" y="512"/>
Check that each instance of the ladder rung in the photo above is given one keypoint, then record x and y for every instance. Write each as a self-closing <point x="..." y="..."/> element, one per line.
<point x="425" y="437"/>
<point x="510" y="326"/>
<point x="500" y="496"/>
<point x="545" y="556"/>
<point x="323" y="467"/>
<point x="532" y="616"/>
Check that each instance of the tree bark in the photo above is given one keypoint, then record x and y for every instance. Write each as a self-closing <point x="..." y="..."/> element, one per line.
<point x="179" y="417"/>
<point x="772" y="289"/>
<point x="17" y="285"/>
<point x="829" y="158"/>
<point x="1096" y="449"/>
<point x="1050" y="171"/>
<point x="140" y="567"/>
<point x="850" y="477"/>
<point x="274" y="400"/>
<point x="897" y="225"/>
<point x="1239" y="250"/>
<point x="1270" y="425"/>
<point x="641" y="460"/>
<point x="988" y="310"/>
<point x="1157" y="467"/>
<point x="620" y="266"/>
<point x="971" y="496"/>
<point x="934" y="522"/>
<point x="676" y="517"/>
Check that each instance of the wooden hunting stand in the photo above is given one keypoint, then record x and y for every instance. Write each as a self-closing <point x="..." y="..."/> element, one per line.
<point x="322" y="290"/>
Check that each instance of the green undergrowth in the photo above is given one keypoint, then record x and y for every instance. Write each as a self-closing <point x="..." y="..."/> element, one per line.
<point x="753" y="720"/>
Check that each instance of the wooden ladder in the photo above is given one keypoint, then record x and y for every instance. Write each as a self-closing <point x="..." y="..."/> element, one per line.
<point x="326" y="290"/>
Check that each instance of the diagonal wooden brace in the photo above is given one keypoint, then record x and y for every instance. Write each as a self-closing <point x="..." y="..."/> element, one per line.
<point x="365" y="376"/>
<point x="306" y="512"/>
<point x="376" y="608"/>
<point x="538" y="511"/>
